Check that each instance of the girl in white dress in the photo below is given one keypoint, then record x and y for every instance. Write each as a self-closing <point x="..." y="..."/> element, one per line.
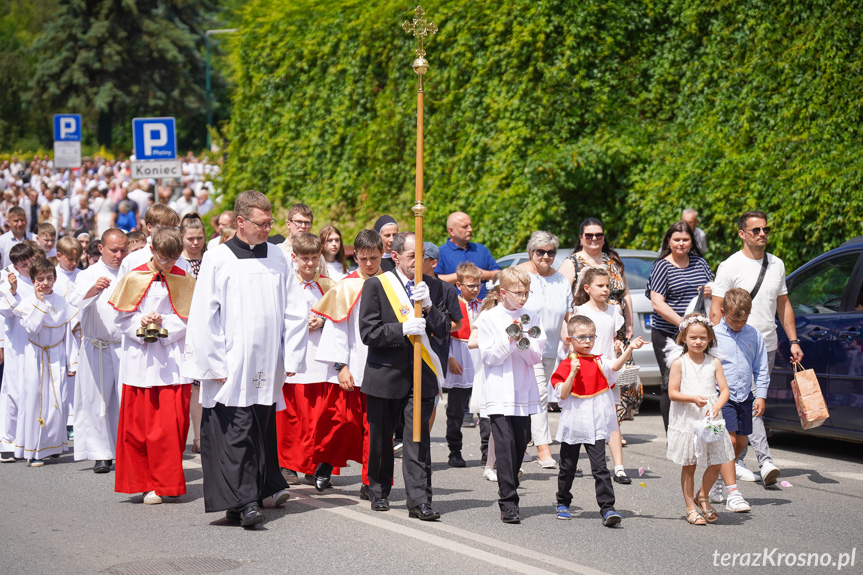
<point x="692" y="383"/>
<point x="591" y="300"/>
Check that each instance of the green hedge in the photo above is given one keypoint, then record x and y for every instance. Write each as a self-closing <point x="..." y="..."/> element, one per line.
<point x="539" y="114"/>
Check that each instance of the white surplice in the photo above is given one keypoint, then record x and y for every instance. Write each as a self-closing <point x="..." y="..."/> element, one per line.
<point x="315" y="371"/>
<point x="97" y="388"/>
<point x="248" y="325"/>
<point x="509" y="381"/>
<point x="152" y="364"/>
<point x="341" y="343"/>
<point x="15" y="338"/>
<point x="44" y="365"/>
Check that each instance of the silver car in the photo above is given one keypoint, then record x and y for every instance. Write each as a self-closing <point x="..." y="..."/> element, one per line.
<point x="637" y="266"/>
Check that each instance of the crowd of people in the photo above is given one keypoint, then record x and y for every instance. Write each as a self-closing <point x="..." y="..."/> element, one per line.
<point x="288" y="361"/>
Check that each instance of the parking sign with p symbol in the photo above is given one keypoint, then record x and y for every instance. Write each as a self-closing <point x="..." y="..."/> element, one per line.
<point x="154" y="138"/>
<point x="67" y="127"/>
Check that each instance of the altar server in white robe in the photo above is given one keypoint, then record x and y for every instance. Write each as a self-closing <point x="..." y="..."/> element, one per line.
<point x="15" y="286"/>
<point x="97" y="388"/>
<point x="47" y="318"/>
<point x="247" y="331"/>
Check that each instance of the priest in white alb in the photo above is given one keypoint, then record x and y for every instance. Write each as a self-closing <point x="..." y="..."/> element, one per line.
<point x="246" y="332"/>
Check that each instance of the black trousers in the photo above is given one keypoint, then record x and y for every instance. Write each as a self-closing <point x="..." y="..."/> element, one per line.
<point x="383" y="414"/>
<point x="659" y="339"/>
<point x="484" y="434"/>
<point x="511" y="436"/>
<point x="457" y="400"/>
<point x="601" y="475"/>
<point x="239" y="456"/>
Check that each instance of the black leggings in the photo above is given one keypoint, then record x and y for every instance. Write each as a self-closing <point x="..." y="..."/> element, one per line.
<point x="659" y="340"/>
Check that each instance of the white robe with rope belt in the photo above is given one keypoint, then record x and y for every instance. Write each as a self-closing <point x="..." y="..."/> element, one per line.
<point x="97" y="387"/>
<point x="45" y="363"/>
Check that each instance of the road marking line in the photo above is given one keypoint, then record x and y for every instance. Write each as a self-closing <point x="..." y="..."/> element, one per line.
<point x="846" y="474"/>
<point x="447" y="544"/>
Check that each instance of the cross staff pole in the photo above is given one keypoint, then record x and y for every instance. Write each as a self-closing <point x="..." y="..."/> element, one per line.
<point x="420" y="28"/>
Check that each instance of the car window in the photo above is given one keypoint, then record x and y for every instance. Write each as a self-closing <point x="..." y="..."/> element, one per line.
<point x="820" y="288"/>
<point x="637" y="271"/>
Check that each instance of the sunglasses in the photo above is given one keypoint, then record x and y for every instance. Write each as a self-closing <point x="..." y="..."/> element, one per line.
<point x="543" y="253"/>
<point x="598" y="236"/>
<point x="757" y="231"/>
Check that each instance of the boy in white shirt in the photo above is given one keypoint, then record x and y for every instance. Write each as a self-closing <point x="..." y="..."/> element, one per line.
<point x="511" y="392"/>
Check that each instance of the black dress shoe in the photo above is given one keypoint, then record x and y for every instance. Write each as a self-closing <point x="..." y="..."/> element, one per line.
<point x="622" y="478"/>
<point x="364" y="493"/>
<point x="456" y="460"/>
<point x="424" y="512"/>
<point x="322" y="476"/>
<point x="510" y="516"/>
<point x="251" y="515"/>
<point x="102" y="466"/>
<point x="380" y="505"/>
<point x="579" y="473"/>
<point x="232" y="515"/>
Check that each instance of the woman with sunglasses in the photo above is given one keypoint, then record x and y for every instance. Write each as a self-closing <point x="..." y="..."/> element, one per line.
<point x="592" y="251"/>
<point x="194" y="246"/>
<point x="550" y="300"/>
<point x="678" y="274"/>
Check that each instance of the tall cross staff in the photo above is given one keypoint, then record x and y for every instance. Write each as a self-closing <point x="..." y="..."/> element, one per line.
<point x="420" y="28"/>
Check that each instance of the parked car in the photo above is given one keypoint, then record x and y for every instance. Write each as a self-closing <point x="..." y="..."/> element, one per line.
<point x="826" y="295"/>
<point x="637" y="266"/>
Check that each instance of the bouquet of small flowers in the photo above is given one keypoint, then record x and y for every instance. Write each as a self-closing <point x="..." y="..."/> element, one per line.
<point x="709" y="430"/>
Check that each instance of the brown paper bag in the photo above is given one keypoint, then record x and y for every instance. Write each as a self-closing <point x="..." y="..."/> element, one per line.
<point x="807" y="395"/>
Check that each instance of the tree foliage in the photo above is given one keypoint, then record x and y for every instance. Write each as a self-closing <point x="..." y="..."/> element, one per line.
<point x="115" y="59"/>
<point x="539" y="114"/>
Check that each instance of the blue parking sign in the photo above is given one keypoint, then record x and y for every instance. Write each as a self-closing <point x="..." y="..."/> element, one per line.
<point x="154" y="138"/>
<point x="67" y="127"/>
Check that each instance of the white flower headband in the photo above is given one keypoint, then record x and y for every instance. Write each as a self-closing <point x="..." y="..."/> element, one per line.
<point x="694" y="319"/>
<point x="491" y="284"/>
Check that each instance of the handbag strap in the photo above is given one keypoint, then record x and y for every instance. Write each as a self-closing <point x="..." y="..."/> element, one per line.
<point x="761" y="275"/>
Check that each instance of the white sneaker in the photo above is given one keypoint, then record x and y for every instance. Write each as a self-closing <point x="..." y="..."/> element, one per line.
<point x="490" y="474"/>
<point x="716" y="494"/>
<point x="769" y="473"/>
<point x="277" y="499"/>
<point x="737" y="504"/>
<point x="151" y="498"/>
<point x="520" y="472"/>
<point x="743" y="473"/>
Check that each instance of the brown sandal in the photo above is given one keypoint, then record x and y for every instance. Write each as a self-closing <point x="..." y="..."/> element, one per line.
<point x="697" y="520"/>
<point x="709" y="513"/>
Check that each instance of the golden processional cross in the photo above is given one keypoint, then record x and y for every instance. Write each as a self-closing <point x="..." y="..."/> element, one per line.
<point x="420" y="28"/>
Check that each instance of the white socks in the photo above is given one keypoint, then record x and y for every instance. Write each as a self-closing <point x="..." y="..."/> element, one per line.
<point x="618" y="469"/>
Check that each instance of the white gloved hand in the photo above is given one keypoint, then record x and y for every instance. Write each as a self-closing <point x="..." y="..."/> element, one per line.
<point x="421" y="293"/>
<point x="414" y="326"/>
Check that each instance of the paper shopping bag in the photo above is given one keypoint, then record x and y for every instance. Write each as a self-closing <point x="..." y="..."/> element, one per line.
<point x="811" y="406"/>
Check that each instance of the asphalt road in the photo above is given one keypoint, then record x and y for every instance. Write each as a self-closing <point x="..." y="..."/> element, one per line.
<point x="62" y="518"/>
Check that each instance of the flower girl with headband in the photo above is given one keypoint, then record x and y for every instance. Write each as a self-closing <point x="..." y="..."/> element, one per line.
<point x="694" y="375"/>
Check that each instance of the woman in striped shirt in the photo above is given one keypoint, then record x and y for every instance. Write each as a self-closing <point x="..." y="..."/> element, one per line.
<point x="678" y="274"/>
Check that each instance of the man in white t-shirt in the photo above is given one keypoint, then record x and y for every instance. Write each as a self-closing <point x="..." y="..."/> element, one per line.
<point x="742" y="270"/>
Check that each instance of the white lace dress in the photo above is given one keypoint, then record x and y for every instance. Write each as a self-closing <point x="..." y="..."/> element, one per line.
<point x="695" y="380"/>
